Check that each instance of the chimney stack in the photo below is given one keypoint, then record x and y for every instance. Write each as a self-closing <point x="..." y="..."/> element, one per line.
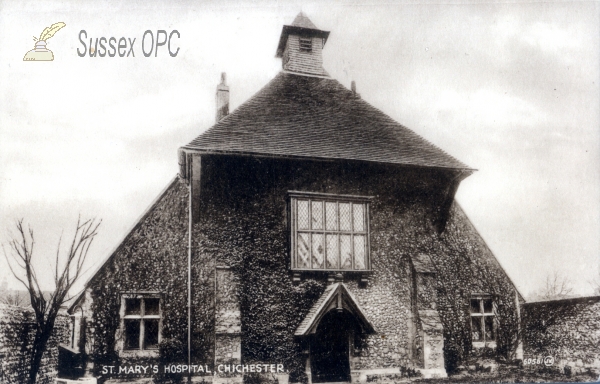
<point x="222" y="98"/>
<point x="353" y="88"/>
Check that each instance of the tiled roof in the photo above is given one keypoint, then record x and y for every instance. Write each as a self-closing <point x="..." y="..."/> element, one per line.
<point x="318" y="306"/>
<point x="323" y="304"/>
<point x="312" y="117"/>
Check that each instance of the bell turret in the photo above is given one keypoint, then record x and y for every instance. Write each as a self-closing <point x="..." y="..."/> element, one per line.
<point x="301" y="46"/>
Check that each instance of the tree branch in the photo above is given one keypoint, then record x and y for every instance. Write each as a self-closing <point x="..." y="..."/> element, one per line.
<point x="21" y="248"/>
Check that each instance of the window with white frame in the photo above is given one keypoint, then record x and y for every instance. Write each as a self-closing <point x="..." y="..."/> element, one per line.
<point x="140" y="321"/>
<point x="329" y="232"/>
<point x="483" y="320"/>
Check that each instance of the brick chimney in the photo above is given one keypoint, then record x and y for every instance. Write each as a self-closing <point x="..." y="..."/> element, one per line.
<point x="353" y="88"/>
<point x="222" y="98"/>
<point x="301" y="46"/>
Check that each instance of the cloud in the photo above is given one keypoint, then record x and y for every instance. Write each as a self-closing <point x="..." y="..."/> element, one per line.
<point x="510" y="89"/>
<point x="489" y="108"/>
<point x="551" y="38"/>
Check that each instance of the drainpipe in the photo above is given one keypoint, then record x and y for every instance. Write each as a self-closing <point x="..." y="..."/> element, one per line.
<point x="215" y="316"/>
<point x="194" y="168"/>
<point x="189" y="266"/>
<point x="193" y="174"/>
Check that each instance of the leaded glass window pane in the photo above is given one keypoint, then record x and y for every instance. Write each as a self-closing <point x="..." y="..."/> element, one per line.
<point x="345" y="217"/>
<point x="133" y="307"/>
<point x="302" y="214"/>
<point x="318" y="251"/>
<point x="151" y="333"/>
<point x="359" y="217"/>
<point x="331" y="216"/>
<point x="132" y="334"/>
<point x="359" y="252"/>
<point x="487" y="306"/>
<point x="151" y="306"/>
<point x="303" y="250"/>
<point x="477" y="335"/>
<point x="317" y="215"/>
<point x="346" y="251"/>
<point x="489" y="328"/>
<point x="475" y="306"/>
<point x="332" y="251"/>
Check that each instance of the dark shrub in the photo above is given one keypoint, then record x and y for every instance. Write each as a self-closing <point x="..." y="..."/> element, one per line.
<point x="452" y="357"/>
<point x="170" y="352"/>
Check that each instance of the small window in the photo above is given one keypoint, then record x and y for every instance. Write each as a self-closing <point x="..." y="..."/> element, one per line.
<point x="75" y="331"/>
<point x="483" y="322"/>
<point x="78" y="332"/>
<point x="140" y="322"/>
<point x="329" y="232"/>
<point x="305" y="44"/>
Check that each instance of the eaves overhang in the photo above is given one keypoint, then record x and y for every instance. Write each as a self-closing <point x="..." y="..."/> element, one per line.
<point x="185" y="151"/>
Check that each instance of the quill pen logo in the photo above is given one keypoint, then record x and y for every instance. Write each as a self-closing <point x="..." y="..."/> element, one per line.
<point x="40" y="52"/>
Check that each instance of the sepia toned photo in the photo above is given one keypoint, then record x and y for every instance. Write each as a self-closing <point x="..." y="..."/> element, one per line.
<point x="288" y="192"/>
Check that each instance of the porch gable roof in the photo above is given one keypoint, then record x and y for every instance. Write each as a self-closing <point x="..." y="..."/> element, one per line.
<point x="335" y="296"/>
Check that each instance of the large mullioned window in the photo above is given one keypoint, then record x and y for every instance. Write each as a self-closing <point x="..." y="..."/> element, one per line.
<point x="329" y="232"/>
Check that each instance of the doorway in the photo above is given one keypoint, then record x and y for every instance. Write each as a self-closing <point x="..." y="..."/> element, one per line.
<point x="330" y="347"/>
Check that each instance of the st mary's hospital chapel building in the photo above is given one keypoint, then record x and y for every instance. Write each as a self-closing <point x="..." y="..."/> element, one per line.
<point x="306" y="228"/>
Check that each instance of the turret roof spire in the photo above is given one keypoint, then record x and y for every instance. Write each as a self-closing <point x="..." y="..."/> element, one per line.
<point x="303" y="21"/>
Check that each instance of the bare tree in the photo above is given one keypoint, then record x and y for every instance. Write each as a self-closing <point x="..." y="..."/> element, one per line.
<point x="12" y="298"/>
<point x="67" y="270"/>
<point x="556" y="286"/>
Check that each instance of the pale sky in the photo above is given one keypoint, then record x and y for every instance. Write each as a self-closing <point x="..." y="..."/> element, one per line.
<point x="510" y="89"/>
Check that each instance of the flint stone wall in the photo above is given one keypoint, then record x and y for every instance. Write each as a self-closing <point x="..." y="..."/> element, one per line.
<point x="227" y="319"/>
<point x="17" y="331"/>
<point x="568" y="330"/>
<point x="244" y="225"/>
<point x="153" y="258"/>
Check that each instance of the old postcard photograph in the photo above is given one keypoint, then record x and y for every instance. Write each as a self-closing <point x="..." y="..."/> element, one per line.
<point x="299" y="192"/>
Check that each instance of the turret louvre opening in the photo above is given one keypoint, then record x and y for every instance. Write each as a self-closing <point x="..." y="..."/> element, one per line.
<point x="305" y="45"/>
